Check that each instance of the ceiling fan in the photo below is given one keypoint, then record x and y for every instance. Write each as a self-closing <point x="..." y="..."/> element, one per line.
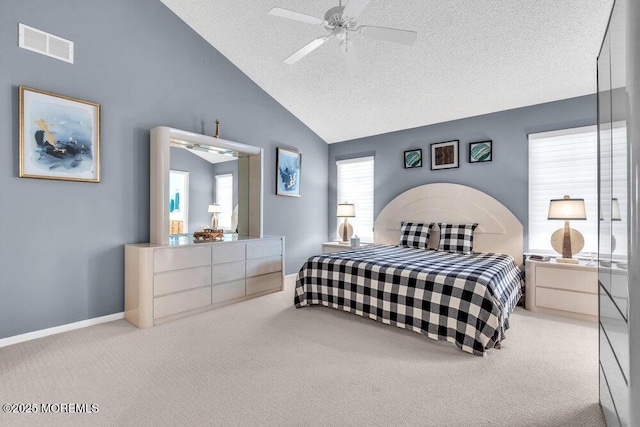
<point x="340" y="22"/>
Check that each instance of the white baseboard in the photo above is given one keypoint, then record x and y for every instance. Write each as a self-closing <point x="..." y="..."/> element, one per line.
<point x="59" y="329"/>
<point x="290" y="280"/>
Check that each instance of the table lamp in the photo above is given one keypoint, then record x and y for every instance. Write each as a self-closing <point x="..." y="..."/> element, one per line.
<point x="572" y="240"/>
<point x="215" y="210"/>
<point x="346" y="210"/>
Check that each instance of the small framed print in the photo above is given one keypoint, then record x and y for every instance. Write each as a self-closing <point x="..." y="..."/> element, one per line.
<point x="480" y="152"/>
<point x="59" y="137"/>
<point x="288" y="168"/>
<point x="413" y="159"/>
<point x="444" y="155"/>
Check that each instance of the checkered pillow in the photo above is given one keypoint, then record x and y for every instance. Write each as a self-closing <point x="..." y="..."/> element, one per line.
<point x="456" y="237"/>
<point x="415" y="235"/>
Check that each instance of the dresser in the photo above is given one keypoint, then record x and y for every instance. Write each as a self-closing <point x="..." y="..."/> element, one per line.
<point x="569" y="290"/>
<point x="166" y="282"/>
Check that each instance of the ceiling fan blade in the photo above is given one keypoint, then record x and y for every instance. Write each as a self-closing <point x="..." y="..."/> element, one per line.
<point x="354" y="8"/>
<point x="351" y="57"/>
<point x="297" y="16"/>
<point x="388" y="34"/>
<point x="302" y="52"/>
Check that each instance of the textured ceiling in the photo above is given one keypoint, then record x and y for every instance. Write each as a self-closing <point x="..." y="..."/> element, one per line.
<point x="471" y="57"/>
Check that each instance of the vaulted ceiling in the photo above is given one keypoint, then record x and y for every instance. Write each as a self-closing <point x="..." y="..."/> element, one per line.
<point x="471" y="57"/>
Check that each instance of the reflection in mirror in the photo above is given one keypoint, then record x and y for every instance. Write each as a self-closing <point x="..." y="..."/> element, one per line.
<point x="178" y="201"/>
<point x="208" y="175"/>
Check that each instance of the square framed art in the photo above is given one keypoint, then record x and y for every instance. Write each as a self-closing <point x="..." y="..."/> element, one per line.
<point x="413" y="159"/>
<point x="288" y="169"/>
<point x="444" y="155"/>
<point x="480" y="152"/>
<point x="59" y="137"/>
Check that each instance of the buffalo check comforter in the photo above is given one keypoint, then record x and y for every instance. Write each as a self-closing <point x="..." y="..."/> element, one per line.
<point x="464" y="299"/>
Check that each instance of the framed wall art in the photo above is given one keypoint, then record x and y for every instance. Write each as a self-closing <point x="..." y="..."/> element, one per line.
<point x="413" y="159"/>
<point x="444" y="155"/>
<point x="480" y="152"/>
<point x="288" y="172"/>
<point x="59" y="137"/>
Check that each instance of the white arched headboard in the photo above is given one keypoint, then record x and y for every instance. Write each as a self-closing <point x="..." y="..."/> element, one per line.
<point x="498" y="229"/>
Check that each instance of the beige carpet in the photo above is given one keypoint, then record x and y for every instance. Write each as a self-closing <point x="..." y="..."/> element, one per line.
<point x="263" y="362"/>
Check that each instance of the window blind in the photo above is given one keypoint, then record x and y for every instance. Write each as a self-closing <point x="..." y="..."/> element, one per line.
<point x="619" y="188"/>
<point x="224" y="197"/>
<point x="562" y="163"/>
<point x="355" y="185"/>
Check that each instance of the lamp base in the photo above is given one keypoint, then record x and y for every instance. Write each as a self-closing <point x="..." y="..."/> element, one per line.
<point x="567" y="260"/>
<point x="577" y="241"/>
<point x="349" y="232"/>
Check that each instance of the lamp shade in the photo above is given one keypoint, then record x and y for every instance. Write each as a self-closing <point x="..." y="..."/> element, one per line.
<point x="567" y="209"/>
<point x="346" y="210"/>
<point x="615" y="210"/>
<point x="214" y="208"/>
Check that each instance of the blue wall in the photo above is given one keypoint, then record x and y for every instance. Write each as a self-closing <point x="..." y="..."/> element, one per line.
<point x="62" y="256"/>
<point x="504" y="178"/>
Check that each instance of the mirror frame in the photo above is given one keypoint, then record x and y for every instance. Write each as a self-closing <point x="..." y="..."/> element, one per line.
<point x="250" y="183"/>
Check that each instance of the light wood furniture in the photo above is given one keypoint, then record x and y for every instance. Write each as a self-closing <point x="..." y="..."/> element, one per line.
<point x="166" y="282"/>
<point x="498" y="228"/>
<point x="250" y="164"/>
<point x="569" y="290"/>
<point x="339" y="247"/>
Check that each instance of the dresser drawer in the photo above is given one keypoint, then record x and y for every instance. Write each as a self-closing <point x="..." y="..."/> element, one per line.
<point x="227" y="252"/>
<point x="183" y="301"/>
<point x="264" y="248"/>
<point x="567" y="279"/>
<point x="256" y="267"/>
<point x="175" y="259"/>
<point x="264" y="283"/>
<point x="228" y="291"/>
<point x="181" y="280"/>
<point x="228" y="272"/>
<point x="576" y="302"/>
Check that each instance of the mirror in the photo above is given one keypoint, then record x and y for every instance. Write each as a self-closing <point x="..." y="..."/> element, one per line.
<point x="197" y="179"/>
<point x="187" y="170"/>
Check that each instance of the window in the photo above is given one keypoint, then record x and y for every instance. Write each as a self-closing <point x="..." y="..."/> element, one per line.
<point x="355" y="185"/>
<point x="224" y="197"/>
<point x="562" y="162"/>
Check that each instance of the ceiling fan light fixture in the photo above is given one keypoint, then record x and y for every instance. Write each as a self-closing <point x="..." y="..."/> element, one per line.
<point x="340" y="33"/>
<point x="340" y="20"/>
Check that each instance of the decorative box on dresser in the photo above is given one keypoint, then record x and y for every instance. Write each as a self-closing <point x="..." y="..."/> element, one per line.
<point x="165" y="282"/>
<point x="569" y="290"/>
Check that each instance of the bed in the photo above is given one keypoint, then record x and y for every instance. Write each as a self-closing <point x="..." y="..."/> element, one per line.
<point x="464" y="298"/>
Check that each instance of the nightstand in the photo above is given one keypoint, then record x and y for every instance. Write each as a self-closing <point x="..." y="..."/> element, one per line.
<point x="338" y="247"/>
<point x="569" y="290"/>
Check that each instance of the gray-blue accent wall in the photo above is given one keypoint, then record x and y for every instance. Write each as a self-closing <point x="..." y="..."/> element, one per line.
<point x="62" y="255"/>
<point x="505" y="177"/>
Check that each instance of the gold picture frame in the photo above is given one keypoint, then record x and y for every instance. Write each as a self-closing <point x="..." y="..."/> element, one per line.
<point x="59" y="137"/>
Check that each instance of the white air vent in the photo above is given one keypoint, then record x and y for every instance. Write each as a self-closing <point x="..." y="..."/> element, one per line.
<point x="47" y="44"/>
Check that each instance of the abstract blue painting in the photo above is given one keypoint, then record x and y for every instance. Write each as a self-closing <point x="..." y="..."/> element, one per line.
<point x="288" y="172"/>
<point x="59" y="137"/>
